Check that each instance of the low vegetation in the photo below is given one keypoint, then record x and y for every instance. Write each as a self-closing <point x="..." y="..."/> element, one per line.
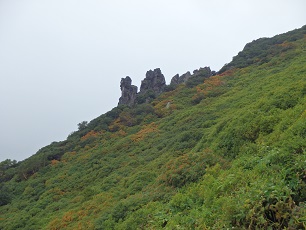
<point x="225" y="153"/>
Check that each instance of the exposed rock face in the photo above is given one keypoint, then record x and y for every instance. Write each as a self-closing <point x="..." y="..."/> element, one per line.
<point x="154" y="81"/>
<point x="205" y="72"/>
<point x="176" y="80"/>
<point x="128" y="92"/>
<point x="154" y="84"/>
<point x="185" y="77"/>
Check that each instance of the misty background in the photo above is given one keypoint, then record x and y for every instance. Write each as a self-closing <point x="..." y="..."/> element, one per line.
<point x="61" y="61"/>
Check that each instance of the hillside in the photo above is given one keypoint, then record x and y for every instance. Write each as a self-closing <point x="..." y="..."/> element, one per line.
<point x="218" y="152"/>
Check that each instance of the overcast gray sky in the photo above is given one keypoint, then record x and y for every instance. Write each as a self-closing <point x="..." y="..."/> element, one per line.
<point x="61" y="61"/>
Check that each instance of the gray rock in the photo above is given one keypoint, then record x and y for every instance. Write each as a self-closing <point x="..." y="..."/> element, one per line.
<point x="175" y="80"/>
<point x="154" y="81"/>
<point x="185" y="77"/>
<point x="128" y="92"/>
<point x="168" y="105"/>
<point x="206" y="71"/>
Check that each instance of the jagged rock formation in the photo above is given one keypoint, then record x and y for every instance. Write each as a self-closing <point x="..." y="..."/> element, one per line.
<point x="154" y="81"/>
<point x="176" y="80"/>
<point x="154" y="84"/>
<point x="128" y="92"/>
<point x="205" y="72"/>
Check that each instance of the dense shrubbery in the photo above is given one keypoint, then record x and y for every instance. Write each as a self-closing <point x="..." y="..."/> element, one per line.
<point x="222" y="152"/>
<point x="264" y="49"/>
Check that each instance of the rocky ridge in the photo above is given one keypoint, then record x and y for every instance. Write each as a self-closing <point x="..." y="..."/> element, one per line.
<point x="154" y="84"/>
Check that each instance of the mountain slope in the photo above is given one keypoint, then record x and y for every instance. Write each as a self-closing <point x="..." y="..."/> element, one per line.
<point x="229" y="152"/>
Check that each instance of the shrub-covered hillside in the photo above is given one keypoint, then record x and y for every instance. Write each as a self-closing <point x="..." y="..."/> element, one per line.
<point x="229" y="152"/>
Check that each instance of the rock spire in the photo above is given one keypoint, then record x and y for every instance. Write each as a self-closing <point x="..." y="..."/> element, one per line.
<point x="128" y="92"/>
<point x="154" y="82"/>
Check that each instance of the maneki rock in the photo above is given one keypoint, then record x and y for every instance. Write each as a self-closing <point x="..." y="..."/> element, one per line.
<point x="128" y="92"/>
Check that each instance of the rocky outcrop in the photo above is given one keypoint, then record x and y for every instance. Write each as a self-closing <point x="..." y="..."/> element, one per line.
<point x="204" y="72"/>
<point x="154" y="82"/>
<point x="128" y="92"/>
<point x="185" y="77"/>
<point x="153" y="85"/>
<point x="176" y="80"/>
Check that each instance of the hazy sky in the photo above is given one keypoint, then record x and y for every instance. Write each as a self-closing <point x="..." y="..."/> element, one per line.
<point x="61" y="61"/>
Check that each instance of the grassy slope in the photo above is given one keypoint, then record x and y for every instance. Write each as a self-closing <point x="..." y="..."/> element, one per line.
<point x="229" y="152"/>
